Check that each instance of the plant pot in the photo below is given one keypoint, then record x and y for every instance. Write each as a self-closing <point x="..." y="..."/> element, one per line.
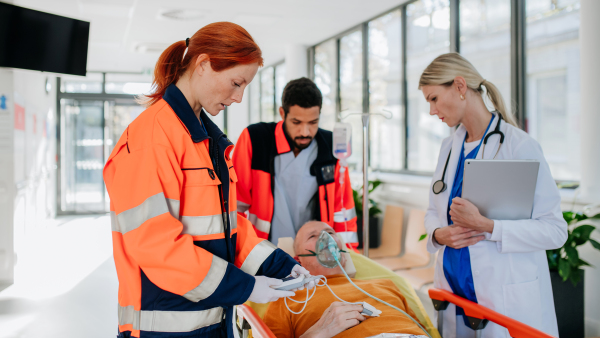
<point x="569" y="305"/>
<point x="374" y="232"/>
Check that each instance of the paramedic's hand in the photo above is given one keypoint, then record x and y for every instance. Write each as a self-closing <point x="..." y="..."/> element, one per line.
<point x="457" y="237"/>
<point x="298" y="270"/>
<point x="466" y="214"/>
<point x="337" y="318"/>
<point x="263" y="293"/>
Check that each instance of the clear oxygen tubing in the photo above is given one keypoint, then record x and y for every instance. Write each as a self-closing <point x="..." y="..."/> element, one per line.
<point x="377" y="299"/>
<point x="323" y="279"/>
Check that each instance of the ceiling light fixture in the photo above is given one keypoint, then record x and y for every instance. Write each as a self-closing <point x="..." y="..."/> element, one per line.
<point x="181" y="14"/>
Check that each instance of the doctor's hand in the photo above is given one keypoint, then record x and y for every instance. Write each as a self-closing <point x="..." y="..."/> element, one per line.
<point x="264" y="293"/>
<point x="457" y="237"/>
<point x="466" y="214"/>
<point x="337" y="318"/>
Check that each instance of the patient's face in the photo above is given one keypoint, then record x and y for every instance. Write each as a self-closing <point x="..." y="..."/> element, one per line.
<point x="306" y="239"/>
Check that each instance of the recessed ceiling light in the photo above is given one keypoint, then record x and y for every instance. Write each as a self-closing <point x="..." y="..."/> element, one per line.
<point x="181" y="14"/>
<point x="150" y="47"/>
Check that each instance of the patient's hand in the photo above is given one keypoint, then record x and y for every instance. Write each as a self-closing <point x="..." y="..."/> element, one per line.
<point x="337" y="318"/>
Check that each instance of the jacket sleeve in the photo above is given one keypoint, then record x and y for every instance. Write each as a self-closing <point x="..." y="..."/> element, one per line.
<point x="242" y="161"/>
<point x="432" y="221"/>
<point x="344" y="223"/>
<point x="547" y="229"/>
<point x="145" y="189"/>
<point x="257" y="256"/>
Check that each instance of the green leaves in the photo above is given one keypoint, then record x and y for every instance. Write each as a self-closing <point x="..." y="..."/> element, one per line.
<point x="564" y="269"/>
<point x="582" y="233"/>
<point x="374" y="209"/>
<point x="566" y="260"/>
<point x="423" y="236"/>
<point x="595" y="244"/>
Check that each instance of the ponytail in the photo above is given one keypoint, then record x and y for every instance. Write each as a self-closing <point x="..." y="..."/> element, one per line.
<point x="443" y="69"/>
<point x="168" y="70"/>
<point x="226" y="44"/>
<point x="496" y="98"/>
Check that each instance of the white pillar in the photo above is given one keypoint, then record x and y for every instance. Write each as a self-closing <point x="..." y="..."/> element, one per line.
<point x="589" y="38"/>
<point x="296" y="62"/>
<point x="7" y="180"/>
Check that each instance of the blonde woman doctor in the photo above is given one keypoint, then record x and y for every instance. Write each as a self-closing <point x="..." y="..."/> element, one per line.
<point x="499" y="264"/>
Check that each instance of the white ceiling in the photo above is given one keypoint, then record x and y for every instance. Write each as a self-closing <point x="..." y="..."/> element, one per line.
<point x="119" y="26"/>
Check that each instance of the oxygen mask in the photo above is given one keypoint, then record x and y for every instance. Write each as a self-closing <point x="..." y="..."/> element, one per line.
<point x="326" y="250"/>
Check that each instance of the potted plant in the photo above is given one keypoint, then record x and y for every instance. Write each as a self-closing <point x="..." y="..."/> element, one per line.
<point x="374" y="211"/>
<point x="567" y="275"/>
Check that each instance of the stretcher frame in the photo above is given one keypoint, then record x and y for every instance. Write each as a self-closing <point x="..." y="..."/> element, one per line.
<point x="479" y="316"/>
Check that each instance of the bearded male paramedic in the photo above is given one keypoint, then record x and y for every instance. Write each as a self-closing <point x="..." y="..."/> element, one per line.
<point x="287" y="174"/>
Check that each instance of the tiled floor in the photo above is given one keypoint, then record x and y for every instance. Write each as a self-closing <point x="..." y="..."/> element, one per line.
<point x="65" y="281"/>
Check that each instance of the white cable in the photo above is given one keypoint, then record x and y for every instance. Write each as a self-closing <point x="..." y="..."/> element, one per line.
<point x="379" y="300"/>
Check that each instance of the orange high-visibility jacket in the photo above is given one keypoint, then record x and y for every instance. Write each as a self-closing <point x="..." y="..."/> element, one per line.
<point x="254" y="163"/>
<point x="184" y="256"/>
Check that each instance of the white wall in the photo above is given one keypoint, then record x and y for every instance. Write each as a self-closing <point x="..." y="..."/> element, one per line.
<point x="28" y="160"/>
<point x="237" y="116"/>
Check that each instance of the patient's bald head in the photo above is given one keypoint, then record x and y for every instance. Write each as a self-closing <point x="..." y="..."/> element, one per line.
<point x="306" y="239"/>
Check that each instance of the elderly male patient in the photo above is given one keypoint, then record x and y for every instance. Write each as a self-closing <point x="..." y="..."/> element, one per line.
<point x="324" y="315"/>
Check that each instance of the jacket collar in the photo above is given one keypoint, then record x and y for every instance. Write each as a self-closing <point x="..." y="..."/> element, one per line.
<point x="281" y="139"/>
<point x="182" y="108"/>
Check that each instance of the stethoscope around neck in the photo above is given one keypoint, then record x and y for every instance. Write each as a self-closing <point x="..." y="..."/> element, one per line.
<point x="440" y="186"/>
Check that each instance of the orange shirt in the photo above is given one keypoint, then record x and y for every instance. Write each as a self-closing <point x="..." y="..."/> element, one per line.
<point x="286" y="324"/>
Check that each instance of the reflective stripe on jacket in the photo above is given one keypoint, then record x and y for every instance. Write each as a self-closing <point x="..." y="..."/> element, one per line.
<point x="183" y="254"/>
<point x="254" y="161"/>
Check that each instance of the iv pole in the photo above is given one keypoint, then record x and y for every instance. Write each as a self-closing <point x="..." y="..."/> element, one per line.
<point x="365" y="197"/>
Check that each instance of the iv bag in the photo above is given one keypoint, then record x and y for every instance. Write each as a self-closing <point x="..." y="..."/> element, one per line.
<point x="342" y="140"/>
<point x="327" y="250"/>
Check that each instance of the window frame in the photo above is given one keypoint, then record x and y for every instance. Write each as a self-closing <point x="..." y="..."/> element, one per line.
<point x="258" y="95"/>
<point x="517" y="55"/>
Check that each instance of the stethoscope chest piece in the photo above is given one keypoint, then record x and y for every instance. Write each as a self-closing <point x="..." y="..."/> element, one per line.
<point x="439" y="187"/>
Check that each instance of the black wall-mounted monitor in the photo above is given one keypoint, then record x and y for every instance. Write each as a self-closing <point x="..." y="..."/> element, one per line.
<point x="41" y="41"/>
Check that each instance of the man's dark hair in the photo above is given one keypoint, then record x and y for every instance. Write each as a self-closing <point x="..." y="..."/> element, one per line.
<point x="301" y="92"/>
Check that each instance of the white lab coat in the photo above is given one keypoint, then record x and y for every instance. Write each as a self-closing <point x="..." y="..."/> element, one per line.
<point x="510" y="270"/>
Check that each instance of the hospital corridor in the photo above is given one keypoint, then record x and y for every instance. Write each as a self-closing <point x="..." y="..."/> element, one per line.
<point x="312" y="169"/>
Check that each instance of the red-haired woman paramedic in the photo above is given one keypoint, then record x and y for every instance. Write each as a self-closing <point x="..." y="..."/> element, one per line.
<point x="183" y="255"/>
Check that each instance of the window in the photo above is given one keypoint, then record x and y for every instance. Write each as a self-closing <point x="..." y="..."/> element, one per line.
<point x="553" y="83"/>
<point x="267" y="95"/>
<point x="326" y="79"/>
<point x="485" y="41"/>
<point x="351" y="98"/>
<point x="385" y="92"/>
<point x="279" y="86"/>
<point x="530" y="52"/>
<point x="254" y="100"/>
<point x="427" y="36"/>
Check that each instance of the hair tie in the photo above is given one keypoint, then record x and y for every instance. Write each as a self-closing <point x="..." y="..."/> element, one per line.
<point x="187" y="42"/>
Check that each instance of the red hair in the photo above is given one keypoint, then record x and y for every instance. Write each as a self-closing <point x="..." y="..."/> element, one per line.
<point x="226" y="44"/>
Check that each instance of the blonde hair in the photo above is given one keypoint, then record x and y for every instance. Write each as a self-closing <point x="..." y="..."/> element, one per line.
<point x="446" y="67"/>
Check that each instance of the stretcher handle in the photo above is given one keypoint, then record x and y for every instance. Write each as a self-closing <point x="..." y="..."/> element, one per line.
<point x="259" y="328"/>
<point x="515" y="328"/>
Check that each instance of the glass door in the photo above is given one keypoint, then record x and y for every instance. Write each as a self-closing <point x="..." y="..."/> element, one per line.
<point x="82" y="160"/>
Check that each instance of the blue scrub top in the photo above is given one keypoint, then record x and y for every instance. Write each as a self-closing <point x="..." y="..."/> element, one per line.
<point x="457" y="262"/>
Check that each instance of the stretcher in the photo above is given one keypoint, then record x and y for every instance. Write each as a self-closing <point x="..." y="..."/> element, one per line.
<point x="250" y="324"/>
<point x="479" y="316"/>
<point x="249" y="315"/>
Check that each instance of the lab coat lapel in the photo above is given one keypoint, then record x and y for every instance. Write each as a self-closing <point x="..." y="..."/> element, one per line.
<point x="457" y="142"/>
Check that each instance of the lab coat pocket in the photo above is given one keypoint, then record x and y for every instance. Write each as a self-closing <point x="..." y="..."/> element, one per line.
<point x="522" y="302"/>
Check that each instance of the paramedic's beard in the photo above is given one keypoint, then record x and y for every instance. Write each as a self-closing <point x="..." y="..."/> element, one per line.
<point x="301" y="146"/>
